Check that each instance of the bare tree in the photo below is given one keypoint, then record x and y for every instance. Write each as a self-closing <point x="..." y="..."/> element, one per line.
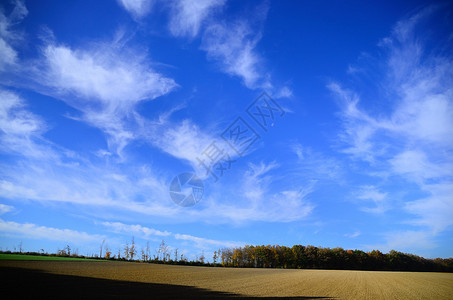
<point x="156" y="256"/>
<point x="214" y="257"/>
<point x="163" y="248"/>
<point x="147" y="254"/>
<point x="20" y="247"/>
<point x="108" y="253"/>
<point x="132" y="249"/>
<point x="143" y="253"/>
<point x="176" y="254"/>
<point x="202" y="257"/>
<point x="126" y="251"/>
<point x="100" y="248"/>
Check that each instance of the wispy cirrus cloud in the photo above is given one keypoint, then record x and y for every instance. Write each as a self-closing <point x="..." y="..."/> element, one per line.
<point x="103" y="80"/>
<point x="5" y="208"/>
<point x="204" y="243"/>
<point x="146" y="232"/>
<point x="105" y="83"/>
<point x="47" y="172"/>
<point x="183" y="140"/>
<point x="256" y="182"/>
<point x="9" y="38"/>
<point x="409" y="240"/>
<point x="135" y="229"/>
<point x="137" y="8"/>
<point x="33" y="231"/>
<point x="412" y="140"/>
<point x="232" y="45"/>
<point x="435" y="210"/>
<point x="257" y="199"/>
<point x="377" y="198"/>
<point x="186" y="17"/>
<point x="316" y="166"/>
<point x="353" y="235"/>
<point x="87" y="186"/>
<point x="115" y="81"/>
<point x="62" y="177"/>
<point x="20" y="128"/>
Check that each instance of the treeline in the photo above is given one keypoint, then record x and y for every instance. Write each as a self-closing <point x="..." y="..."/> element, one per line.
<point x="33" y="253"/>
<point x="199" y="261"/>
<point x="311" y="257"/>
<point x="296" y="257"/>
<point x="164" y="254"/>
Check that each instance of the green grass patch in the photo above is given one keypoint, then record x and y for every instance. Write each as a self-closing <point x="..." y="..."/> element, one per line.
<point x="4" y="256"/>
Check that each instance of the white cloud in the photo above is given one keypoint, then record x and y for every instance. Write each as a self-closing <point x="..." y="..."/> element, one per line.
<point x="105" y="83"/>
<point x="315" y="166"/>
<point x="19" y="127"/>
<point x="352" y="235"/>
<point x="411" y="141"/>
<point x="290" y="205"/>
<point x="284" y="92"/>
<point x="187" y="16"/>
<point x="207" y="243"/>
<point x="32" y="231"/>
<point x="46" y="172"/>
<point x="233" y="46"/>
<point x="184" y="140"/>
<point x="5" y="208"/>
<point x="137" y="229"/>
<point x="146" y="232"/>
<point x="434" y="211"/>
<point x="114" y="80"/>
<point x="8" y="56"/>
<point x="87" y="186"/>
<point x="406" y="241"/>
<point x="255" y="184"/>
<point x="257" y="199"/>
<point x="14" y="119"/>
<point x="372" y="194"/>
<point x="72" y="179"/>
<point x="415" y="164"/>
<point x="359" y="127"/>
<point x="60" y="177"/>
<point x="10" y="37"/>
<point x="137" y="8"/>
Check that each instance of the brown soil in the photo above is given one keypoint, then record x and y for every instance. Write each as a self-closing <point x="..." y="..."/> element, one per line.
<point x="126" y="280"/>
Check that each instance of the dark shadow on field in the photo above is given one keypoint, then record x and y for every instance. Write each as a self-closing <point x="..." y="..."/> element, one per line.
<point x="35" y="284"/>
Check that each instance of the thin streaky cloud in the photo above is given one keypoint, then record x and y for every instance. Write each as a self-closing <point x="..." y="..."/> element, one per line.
<point x="410" y="142"/>
<point x="232" y="45"/>
<point x="187" y="17"/>
<point x="137" y="8"/>
<point x="33" y="231"/>
<point x="9" y="36"/>
<point x="104" y="84"/>
<point x="207" y="243"/>
<point x="127" y="228"/>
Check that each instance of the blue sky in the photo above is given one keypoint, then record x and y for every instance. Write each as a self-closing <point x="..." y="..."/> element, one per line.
<point x="103" y="103"/>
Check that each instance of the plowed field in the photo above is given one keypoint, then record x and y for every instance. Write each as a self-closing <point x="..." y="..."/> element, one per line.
<point x="128" y="280"/>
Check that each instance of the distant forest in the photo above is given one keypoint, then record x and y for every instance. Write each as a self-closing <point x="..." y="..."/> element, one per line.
<point x="296" y="257"/>
<point x="311" y="257"/>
